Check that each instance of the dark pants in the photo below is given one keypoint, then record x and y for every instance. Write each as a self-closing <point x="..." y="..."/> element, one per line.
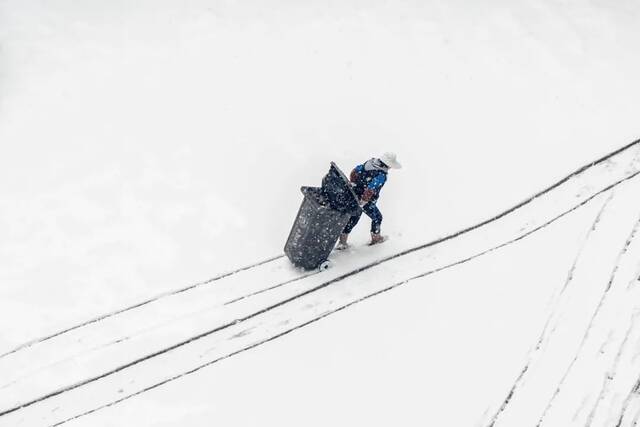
<point x="372" y="212"/>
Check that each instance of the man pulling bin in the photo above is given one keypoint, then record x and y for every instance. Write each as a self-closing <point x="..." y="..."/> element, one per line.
<point x="367" y="180"/>
<point x="330" y="212"/>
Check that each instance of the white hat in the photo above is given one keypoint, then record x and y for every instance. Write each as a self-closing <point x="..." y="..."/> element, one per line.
<point x="390" y="160"/>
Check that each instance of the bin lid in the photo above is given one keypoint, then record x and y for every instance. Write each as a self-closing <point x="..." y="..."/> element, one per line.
<point x="346" y="181"/>
<point x="339" y="192"/>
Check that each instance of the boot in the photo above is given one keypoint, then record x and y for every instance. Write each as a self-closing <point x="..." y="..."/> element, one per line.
<point x="342" y="243"/>
<point x="376" y="238"/>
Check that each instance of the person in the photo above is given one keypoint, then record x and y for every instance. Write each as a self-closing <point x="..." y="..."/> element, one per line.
<point x="367" y="180"/>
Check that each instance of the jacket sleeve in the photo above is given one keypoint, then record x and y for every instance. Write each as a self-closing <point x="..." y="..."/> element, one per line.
<point x="374" y="187"/>
<point x="353" y="177"/>
<point x="377" y="182"/>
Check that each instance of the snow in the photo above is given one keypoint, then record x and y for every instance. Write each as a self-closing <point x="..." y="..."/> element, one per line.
<point x="150" y="146"/>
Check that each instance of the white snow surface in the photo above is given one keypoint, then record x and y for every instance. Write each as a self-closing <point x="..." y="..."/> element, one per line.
<point x="150" y="147"/>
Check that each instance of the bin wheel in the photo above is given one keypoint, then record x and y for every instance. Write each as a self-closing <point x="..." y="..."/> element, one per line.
<point x="325" y="265"/>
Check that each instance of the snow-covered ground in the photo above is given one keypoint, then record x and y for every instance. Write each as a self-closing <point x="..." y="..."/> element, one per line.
<point x="148" y="146"/>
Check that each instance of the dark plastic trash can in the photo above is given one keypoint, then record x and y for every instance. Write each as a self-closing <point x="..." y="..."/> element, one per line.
<point x="322" y="216"/>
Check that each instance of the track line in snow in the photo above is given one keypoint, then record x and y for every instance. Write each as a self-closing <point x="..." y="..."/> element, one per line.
<point x="592" y="229"/>
<point x="543" y="335"/>
<point x="613" y="371"/>
<point x="138" y="305"/>
<point x="635" y="392"/>
<point x="279" y="285"/>
<point x="512" y="392"/>
<point x="528" y="200"/>
<point x="605" y="293"/>
<point x="636" y="419"/>
<point x="149" y="329"/>
<point x="531" y="199"/>
<point x="365" y="267"/>
<point x="322" y="285"/>
<point x="281" y="303"/>
<point x="570" y="275"/>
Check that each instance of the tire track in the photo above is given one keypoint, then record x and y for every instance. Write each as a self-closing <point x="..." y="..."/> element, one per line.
<point x="147" y="330"/>
<point x="345" y="306"/>
<point x="613" y="371"/>
<point x="138" y="305"/>
<point x="562" y="181"/>
<point x="635" y="392"/>
<point x="315" y="289"/>
<point x="252" y="294"/>
<point x="591" y="321"/>
<point x="356" y="271"/>
<point x="636" y="419"/>
<point x="589" y="233"/>
<point x="543" y="334"/>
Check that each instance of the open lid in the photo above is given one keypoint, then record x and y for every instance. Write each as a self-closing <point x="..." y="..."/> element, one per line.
<point x="339" y="192"/>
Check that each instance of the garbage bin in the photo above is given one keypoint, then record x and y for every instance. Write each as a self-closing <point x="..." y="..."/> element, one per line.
<point x="323" y="215"/>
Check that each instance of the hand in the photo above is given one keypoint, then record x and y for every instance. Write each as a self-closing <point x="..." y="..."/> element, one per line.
<point x="367" y="195"/>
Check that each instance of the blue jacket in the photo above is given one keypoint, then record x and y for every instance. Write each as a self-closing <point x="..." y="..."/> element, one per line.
<point x="368" y="179"/>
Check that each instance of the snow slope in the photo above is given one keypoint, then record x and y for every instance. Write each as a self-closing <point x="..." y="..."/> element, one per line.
<point x="137" y="138"/>
<point x="96" y="365"/>
<point x="148" y="145"/>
